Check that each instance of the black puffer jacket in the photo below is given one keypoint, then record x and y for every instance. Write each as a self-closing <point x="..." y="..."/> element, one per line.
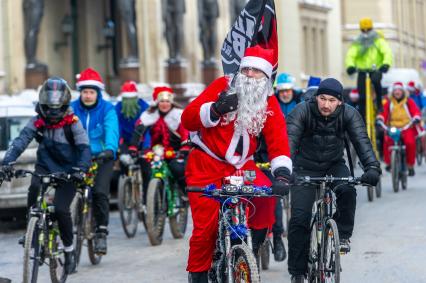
<point x="317" y="142"/>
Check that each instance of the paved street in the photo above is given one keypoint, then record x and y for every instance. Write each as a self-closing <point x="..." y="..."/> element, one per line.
<point x="388" y="246"/>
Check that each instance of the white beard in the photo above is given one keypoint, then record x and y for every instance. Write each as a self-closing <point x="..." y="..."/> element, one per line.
<point x="251" y="113"/>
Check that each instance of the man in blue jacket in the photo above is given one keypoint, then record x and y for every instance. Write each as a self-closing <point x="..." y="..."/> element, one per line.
<point x="286" y="93"/>
<point x="99" y="118"/>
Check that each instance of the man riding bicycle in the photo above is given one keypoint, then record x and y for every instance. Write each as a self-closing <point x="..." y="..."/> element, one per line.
<point x="369" y="53"/>
<point x="317" y="129"/>
<point x="99" y="119"/>
<point x="399" y="111"/>
<point x="63" y="147"/>
<point x="225" y="125"/>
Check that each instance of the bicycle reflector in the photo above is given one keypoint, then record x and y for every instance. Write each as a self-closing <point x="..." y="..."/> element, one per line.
<point x="231" y="189"/>
<point x="247" y="189"/>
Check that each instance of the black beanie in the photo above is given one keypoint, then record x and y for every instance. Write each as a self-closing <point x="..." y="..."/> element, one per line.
<point x="331" y="87"/>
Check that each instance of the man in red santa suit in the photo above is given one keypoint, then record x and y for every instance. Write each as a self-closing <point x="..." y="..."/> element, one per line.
<point x="225" y="123"/>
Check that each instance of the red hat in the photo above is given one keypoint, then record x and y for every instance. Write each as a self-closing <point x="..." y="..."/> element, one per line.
<point x="259" y="58"/>
<point x="162" y="93"/>
<point x="395" y="86"/>
<point x="129" y="89"/>
<point x="90" y="78"/>
<point x="411" y="86"/>
<point x="354" y="94"/>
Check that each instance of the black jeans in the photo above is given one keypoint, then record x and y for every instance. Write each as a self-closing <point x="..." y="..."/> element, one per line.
<point x="302" y="200"/>
<point x="64" y="195"/>
<point x="100" y="194"/>
<point x="177" y="168"/>
<point x="278" y="227"/>
<point x="376" y="78"/>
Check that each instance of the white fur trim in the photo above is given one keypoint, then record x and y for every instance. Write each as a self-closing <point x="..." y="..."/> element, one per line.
<point x="284" y="86"/>
<point x="149" y="119"/>
<point x="173" y="118"/>
<point x="258" y="63"/>
<point x="90" y="83"/>
<point x="281" y="161"/>
<point x="205" y="116"/>
<point x="238" y="161"/>
<point x="129" y="94"/>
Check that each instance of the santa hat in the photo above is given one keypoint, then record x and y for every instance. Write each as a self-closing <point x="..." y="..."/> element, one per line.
<point x="395" y="86"/>
<point x="259" y="58"/>
<point x="412" y="86"/>
<point x="354" y="94"/>
<point x="89" y="78"/>
<point x="162" y="93"/>
<point x="129" y="90"/>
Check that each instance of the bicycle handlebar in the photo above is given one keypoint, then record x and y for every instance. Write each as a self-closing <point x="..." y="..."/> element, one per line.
<point x="329" y="179"/>
<point x="61" y="176"/>
<point x="234" y="190"/>
<point x="386" y="128"/>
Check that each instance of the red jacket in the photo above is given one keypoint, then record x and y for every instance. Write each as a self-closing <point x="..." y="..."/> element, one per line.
<point x="410" y="106"/>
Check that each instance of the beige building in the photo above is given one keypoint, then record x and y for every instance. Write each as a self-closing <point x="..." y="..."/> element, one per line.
<point x="309" y="34"/>
<point x="402" y="22"/>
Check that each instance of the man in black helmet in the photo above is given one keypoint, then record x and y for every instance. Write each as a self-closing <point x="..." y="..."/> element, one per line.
<point x="316" y="129"/>
<point x="63" y="147"/>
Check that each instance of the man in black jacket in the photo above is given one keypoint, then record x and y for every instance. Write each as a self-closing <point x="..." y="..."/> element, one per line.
<point x="316" y="130"/>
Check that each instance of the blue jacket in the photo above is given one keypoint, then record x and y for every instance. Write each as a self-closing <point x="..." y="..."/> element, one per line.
<point x="127" y="126"/>
<point x="101" y="124"/>
<point x="419" y="99"/>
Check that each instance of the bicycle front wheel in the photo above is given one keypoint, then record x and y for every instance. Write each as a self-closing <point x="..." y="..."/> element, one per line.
<point x="331" y="253"/>
<point x="57" y="260"/>
<point x="395" y="170"/>
<point x="128" y="206"/>
<point x="243" y="263"/>
<point x="156" y="213"/>
<point x="32" y="251"/>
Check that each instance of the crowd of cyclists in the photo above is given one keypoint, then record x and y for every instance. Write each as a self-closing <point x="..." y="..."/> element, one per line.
<point x="232" y="125"/>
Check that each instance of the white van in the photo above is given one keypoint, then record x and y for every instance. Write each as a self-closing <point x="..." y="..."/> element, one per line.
<point x="15" y="113"/>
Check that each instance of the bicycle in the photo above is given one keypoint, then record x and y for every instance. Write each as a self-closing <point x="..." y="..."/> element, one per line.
<point x="130" y="196"/>
<point x="421" y="147"/>
<point x="164" y="198"/>
<point x="399" y="168"/>
<point x="42" y="237"/>
<point x="324" y="250"/>
<point x="233" y="259"/>
<point x="84" y="224"/>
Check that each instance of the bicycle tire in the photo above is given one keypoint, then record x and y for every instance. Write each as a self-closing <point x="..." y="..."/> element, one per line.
<point x="313" y="257"/>
<point x="90" y="227"/>
<point x="331" y="260"/>
<point x="419" y="151"/>
<point x="179" y="221"/>
<point x="370" y="193"/>
<point x="78" y="221"/>
<point x="127" y="207"/>
<point x="244" y="264"/>
<point x="379" y="189"/>
<point x="404" y="180"/>
<point x="57" y="261"/>
<point x="265" y="254"/>
<point x="395" y="170"/>
<point x="155" y="211"/>
<point x="31" y="264"/>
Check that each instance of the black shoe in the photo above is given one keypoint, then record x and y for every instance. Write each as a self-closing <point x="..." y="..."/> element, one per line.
<point x="411" y="172"/>
<point x="101" y="243"/>
<point x="70" y="263"/>
<point x="280" y="253"/>
<point x="345" y="246"/>
<point x="198" y="277"/>
<point x="21" y="240"/>
<point x="297" y="279"/>
<point x="387" y="168"/>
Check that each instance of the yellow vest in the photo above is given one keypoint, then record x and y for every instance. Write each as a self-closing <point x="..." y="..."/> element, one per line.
<point x="399" y="115"/>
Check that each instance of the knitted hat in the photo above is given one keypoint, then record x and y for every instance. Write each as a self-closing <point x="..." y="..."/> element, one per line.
<point x="284" y="81"/>
<point x="365" y="24"/>
<point x="259" y="58"/>
<point x="91" y="79"/>
<point x="331" y="87"/>
<point x="128" y="90"/>
<point x="162" y="93"/>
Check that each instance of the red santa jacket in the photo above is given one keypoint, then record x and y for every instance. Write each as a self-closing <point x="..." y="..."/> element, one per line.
<point x="165" y="130"/>
<point x="410" y="107"/>
<point x="218" y="141"/>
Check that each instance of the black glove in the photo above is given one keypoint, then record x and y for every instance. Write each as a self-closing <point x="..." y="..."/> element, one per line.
<point x="106" y="155"/>
<point x="226" y="103"/>
<point x="78" y="175"/>
<point x="280" y="185"/>
<point x="371" y="176"/>
<point x="416" y="121"/>
<point x="384" y="68"/>
<point x="7" y="170"/>
<point x="351" y="70"/>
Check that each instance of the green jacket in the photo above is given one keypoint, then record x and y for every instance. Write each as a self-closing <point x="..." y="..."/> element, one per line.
<point x="378" y="54"/>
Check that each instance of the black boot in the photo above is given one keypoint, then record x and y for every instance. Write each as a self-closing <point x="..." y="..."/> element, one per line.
<point x="70" y="263"/>
<point x="21" y="240"/>
<point x="297" y="279"/>
<point x="280" y="253"/>
<point x="198" y="277"/>
<point x="101" y="243"/>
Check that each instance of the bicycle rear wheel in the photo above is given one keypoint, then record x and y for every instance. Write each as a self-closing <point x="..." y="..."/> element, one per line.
<point x="379" y="189"/>
<point x="77" y="216"/>
<point x="244" y="267"/>
<point x="32" y="251"/>
<point x="57" y="260"/>
<point x="419" y="151"/>
<point x="128" y="206"/>
<point x="179" y="221"/>
<point x="331" y="253"/>
<point x="370" y="193"/>
<point x="395" y="170"/>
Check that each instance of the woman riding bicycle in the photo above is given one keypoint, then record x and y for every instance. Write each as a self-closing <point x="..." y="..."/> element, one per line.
<point x="63" y="147"/>
<point x="398" y="112"/>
